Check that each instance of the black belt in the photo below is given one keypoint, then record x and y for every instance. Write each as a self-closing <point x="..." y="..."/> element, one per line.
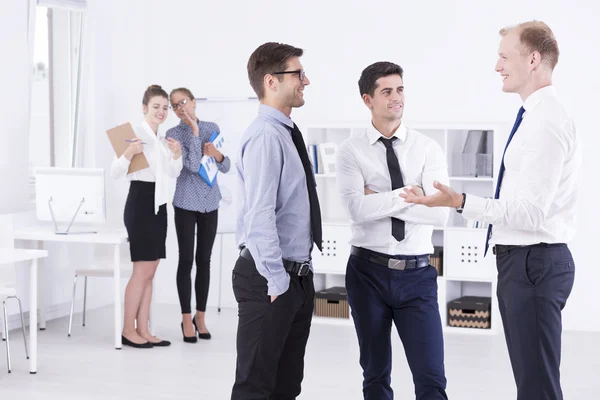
<point x="390" y="261"/>
<point x="501" y="248"/>
<point x="293" y="267"/>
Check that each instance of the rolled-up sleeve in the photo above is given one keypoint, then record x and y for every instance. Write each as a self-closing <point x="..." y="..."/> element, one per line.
<point x="262" y="160"/>
<point x="224" y="165"/>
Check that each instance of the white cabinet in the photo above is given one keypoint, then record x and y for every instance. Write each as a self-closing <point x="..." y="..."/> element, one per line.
<point x="463" y="255"/>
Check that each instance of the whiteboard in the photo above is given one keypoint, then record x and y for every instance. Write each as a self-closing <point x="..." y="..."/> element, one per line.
<point x="234" y="116"/>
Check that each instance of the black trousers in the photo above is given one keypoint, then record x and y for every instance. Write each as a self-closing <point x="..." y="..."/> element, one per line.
<point x="271" y="337"/>
<point x="381" y="297"/>
<point x="534" y="283"/>
<point x="185" y="225"/>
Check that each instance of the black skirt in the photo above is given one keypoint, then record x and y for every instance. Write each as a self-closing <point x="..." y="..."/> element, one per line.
<point x="147" y="231"/>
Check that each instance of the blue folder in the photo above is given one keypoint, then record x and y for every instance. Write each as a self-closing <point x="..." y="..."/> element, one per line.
<point x="209" y="164"/>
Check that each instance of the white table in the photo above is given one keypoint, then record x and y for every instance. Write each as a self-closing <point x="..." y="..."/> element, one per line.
<point x="114" y="237"/>
<point x="222" y="233"/>
<point x="10" y="256"/>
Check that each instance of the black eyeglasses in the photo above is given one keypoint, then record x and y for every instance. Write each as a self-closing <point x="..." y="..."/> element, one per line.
<point x="300" y="72"/>
<point x="182" y="103"/>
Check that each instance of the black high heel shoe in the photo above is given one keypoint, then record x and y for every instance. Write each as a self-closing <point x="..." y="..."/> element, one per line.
<point x="188" y="339"/>
<point x="127" y="342"/>
<point x="205" y="336"/>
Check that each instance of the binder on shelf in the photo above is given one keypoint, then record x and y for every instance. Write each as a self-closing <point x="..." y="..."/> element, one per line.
<point x="208" y="165"/>
<point x="477" y="153"/>
<point x="476" y="224"/>
<point x="327" y="158"/>
<point x="314" y="159"/>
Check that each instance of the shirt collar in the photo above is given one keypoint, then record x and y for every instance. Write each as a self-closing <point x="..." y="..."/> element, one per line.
<point x="538" y="96"/>
<point x="374" y="135"/>
<point x="150" y="132"/>
<point x="275" y="114"/>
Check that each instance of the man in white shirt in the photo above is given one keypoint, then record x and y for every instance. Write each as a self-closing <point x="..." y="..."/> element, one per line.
<point x="532" y="213"/>
<point x="389" y="278"/>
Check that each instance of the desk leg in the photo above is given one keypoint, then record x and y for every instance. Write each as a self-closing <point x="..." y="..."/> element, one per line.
<point x="220" y="271"/>
<point x="42" y="293"/>
<point x="33" y="304"/>
<point x="117" y="294"/>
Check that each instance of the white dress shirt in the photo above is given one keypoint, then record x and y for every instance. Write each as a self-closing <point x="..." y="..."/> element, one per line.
<point x="539" y="190"/>
<point x="162" y="167"/>
<point x="361" y="161"/>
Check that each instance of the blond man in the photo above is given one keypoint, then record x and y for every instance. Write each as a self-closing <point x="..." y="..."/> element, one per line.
<point x="532" y="214"/>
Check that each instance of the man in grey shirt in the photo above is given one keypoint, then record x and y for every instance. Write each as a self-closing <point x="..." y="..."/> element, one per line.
<point x="278" y="221"/>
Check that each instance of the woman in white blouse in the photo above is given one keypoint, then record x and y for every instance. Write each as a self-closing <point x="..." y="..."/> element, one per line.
<point x="146" y="213"/>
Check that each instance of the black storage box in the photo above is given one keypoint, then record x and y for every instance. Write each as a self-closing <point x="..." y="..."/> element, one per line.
<point x="332" y="302"/>
<point x="470" y="312"/>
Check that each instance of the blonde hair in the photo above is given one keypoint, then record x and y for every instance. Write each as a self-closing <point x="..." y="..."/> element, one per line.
<point x="537" y="36"/>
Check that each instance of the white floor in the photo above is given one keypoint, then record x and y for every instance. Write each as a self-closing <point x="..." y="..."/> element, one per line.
<point x="87" y="366"/>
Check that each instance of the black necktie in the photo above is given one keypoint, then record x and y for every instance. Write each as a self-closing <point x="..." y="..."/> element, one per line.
<point x="397" y="183"/>
<point x="501" y="172"/>
<point x="315" y="211"/>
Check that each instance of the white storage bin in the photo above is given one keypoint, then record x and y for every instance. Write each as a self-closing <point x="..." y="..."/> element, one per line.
<point x="463" y="255"/>
<point x="336" y="250"/>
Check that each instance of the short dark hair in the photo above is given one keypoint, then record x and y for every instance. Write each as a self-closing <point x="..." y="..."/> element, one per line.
<point x="183" y="90"/>
<point x="153" y="91"/>
<point x="266" y="59"/>
<point x="368" y="79"/>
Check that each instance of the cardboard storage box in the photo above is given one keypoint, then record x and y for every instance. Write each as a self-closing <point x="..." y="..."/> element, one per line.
<point x="332" y="302"/>
<point x="470" y="312"/>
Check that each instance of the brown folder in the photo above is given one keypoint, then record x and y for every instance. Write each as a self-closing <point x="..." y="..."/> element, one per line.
<point x="118" y="137"/>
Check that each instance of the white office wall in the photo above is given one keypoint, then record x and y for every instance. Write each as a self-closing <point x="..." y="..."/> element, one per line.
<point x="447" y="48"/>
<point x="14" y="106"/>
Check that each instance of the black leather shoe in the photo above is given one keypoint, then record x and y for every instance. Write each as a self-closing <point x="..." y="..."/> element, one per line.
<point x="205" y="336"/>
<point x="162" y="343"/>
<point x="127" y="342"/>
<point x="188" y="339"/>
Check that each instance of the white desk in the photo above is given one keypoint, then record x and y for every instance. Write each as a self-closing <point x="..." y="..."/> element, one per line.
<point x="9" y="256"/>
<point x="222" y="233"/>
<point x="116" y="238"/>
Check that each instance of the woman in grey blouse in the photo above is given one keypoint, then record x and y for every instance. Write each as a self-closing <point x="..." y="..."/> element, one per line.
<point x="196" y="204"/>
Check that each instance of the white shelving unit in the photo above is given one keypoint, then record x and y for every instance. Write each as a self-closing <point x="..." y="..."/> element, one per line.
<point x="465" y="271"/>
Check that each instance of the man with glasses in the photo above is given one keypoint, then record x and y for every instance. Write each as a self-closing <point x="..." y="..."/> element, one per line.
<point x="278" y="222"/>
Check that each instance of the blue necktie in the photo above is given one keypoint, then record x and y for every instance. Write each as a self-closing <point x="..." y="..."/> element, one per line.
<point x="501" y="173"/>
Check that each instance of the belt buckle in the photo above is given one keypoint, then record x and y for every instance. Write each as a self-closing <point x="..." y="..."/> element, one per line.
<point x="304" y="268"/>
<point x="396" y="264"/>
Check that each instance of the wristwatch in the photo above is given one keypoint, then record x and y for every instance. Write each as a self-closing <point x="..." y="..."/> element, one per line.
<point x="462" y="206"/>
